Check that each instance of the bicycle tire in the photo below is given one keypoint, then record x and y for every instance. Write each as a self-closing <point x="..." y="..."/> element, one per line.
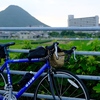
<point x="65" y="84"/>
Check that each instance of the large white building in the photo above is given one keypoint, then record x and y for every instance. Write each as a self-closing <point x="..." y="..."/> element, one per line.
<point x="83" y="22"/>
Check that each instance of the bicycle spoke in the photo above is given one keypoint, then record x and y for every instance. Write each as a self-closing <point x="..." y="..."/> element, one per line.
<point x="67" y="88"/>
<point x="45" y="88"/>
<point x="60" y="85"/>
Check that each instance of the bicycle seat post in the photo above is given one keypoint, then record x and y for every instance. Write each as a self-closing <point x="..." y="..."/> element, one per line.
<point x="6" y="53"/>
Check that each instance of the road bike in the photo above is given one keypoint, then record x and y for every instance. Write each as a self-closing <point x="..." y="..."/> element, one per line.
<point x="55" y="84"/>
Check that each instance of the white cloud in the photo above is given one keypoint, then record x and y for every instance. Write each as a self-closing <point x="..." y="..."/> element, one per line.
<point x="2" y="7"/>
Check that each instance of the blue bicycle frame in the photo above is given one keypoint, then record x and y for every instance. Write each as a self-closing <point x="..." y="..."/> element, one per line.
<point x="31" y="81"/>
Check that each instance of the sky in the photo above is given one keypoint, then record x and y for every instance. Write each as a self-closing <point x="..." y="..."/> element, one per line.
<point x="55" y="12"/>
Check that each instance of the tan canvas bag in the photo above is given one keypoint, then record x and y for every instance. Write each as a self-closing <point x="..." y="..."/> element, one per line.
<point x="57" y="62"/>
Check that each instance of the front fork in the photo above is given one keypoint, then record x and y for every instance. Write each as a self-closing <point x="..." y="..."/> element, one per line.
<point x="53" y="85"/>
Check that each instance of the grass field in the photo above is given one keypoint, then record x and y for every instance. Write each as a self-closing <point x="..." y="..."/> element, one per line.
<point x="80" y="44"/>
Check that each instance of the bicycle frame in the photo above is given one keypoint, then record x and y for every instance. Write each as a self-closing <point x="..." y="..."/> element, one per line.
<point x="31" y="81"/>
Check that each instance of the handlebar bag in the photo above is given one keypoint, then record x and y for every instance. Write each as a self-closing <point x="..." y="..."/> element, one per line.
<point x="39" y="52"/>
<point x="54" y="62"/>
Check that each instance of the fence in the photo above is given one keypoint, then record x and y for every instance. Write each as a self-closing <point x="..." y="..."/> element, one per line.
<point x="50" y="28"/>
<point x="87" y="77"/>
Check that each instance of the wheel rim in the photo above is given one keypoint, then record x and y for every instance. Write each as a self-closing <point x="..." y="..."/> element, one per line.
<point x="68" y="88"/>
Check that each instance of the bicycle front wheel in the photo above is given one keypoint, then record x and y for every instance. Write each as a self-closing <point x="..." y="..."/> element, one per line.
<point x="67" y="87"/>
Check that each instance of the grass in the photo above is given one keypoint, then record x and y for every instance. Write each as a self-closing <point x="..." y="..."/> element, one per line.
<point x="80" y="44"/>
<point x="18" y="43"/>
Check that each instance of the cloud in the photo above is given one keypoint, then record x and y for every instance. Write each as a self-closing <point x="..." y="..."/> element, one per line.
<point x="2" y="7"/>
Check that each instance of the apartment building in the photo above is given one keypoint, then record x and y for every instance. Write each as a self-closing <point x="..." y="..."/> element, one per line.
<point x="83" y="22"/>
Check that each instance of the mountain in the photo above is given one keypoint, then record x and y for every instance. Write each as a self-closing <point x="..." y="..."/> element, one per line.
<point x="15" y="16"/>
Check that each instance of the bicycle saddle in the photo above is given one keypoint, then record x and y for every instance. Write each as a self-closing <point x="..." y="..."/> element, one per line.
<point x="7" y="44"/>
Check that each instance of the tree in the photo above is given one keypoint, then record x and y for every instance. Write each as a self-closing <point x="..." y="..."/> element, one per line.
<point x="54" y="34"/>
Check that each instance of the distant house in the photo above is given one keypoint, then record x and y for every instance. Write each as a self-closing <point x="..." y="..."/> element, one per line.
<point x="45" y="35"/>
<point x="8" y="35"/>
<point x="30" y="35"/>
<point x="5" y="35"/>
<point x="14" y="36"/>
<point x="24" y="35"/>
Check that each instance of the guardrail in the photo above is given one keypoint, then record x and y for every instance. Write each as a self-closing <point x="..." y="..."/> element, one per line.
<point x="95" y="53"/>
<point x="50" y="28"/>
<point x="87" y="77"/>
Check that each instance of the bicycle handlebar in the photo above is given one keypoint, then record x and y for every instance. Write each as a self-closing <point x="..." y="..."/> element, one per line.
<point x="55" y="47"/>
<point x="52" y="46"/>
<point x="69" y="52"/>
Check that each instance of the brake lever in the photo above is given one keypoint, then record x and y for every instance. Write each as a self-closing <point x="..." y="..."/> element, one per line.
<point x="56" y="49"/>
<point x="74" y="54"/>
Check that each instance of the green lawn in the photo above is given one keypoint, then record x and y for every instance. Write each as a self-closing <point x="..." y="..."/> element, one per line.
<point x="80" y="44"/>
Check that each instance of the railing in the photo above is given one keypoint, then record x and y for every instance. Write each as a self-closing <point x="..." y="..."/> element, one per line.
<point x="87" y="77"/>
<point x="50" y="28"/>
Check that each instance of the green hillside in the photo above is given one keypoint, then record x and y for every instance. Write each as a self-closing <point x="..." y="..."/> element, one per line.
<point x="14" y="16"/>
